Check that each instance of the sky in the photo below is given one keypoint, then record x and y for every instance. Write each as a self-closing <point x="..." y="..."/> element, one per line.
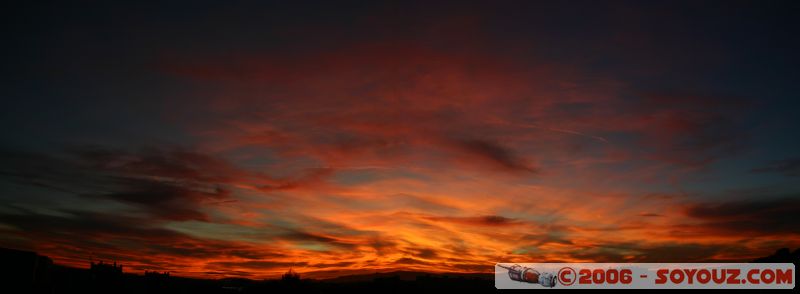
<point x="241" y="139"/>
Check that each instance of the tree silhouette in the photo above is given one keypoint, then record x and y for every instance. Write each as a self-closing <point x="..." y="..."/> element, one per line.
<point x="290" y="276"/>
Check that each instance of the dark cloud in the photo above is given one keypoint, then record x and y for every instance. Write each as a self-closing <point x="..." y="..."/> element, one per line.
<point x="650" y="214"/>
<point x="81" y="223"/>
<point x="186" y="165"/>
<point x="311" y="237"/>
<point x="496" y="220"/>
<point x="424" y="253"/>
<point x="309" y="178"/>
<point x="547" y="238"/>
<point x="94" y="231"/>
<point x="170" y="185"/>
<point x="335" y="264"/>
<point x="169" y="201"/>
<point x="636" y="252"/>
<point x="788" y="167"/>
<point x="227" y="273"/>
<point x="411" y="261"/>
<point x="175" y="163"/>
<point x="487" y="220"/>
<point x="253" y="264"/>
<point x="424" y="203"/>
<point x="48" y="172"/>
<point x="495" y="154"/>
<point x="86" y="165"/>
<point x="382" y="246"/>
<point x="751" y="217"/>
<point x="679" y="252"/>
<point x="453" y="265"/>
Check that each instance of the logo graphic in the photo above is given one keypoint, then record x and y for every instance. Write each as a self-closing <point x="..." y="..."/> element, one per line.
<point x="644" y="275"/>
<point x="529" y="275"/>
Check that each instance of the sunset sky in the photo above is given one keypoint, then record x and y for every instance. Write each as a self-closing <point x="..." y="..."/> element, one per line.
<point x="241" y="139"/>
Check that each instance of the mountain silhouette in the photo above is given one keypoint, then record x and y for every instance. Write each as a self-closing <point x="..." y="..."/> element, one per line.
<point x="782" y="255"/>
<point x="33" y="273"/>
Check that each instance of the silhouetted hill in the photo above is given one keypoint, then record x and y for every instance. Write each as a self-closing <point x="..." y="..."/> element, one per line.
<point x="32" y="273"/>
<point x="407" y="276"/>
<point x="780" y="256"/>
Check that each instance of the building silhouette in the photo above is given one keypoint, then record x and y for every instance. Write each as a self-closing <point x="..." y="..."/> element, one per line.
<point x="25" y="269"/>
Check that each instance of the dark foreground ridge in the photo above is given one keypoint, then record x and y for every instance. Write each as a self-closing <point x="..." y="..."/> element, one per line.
<point x="33" y="273"/>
